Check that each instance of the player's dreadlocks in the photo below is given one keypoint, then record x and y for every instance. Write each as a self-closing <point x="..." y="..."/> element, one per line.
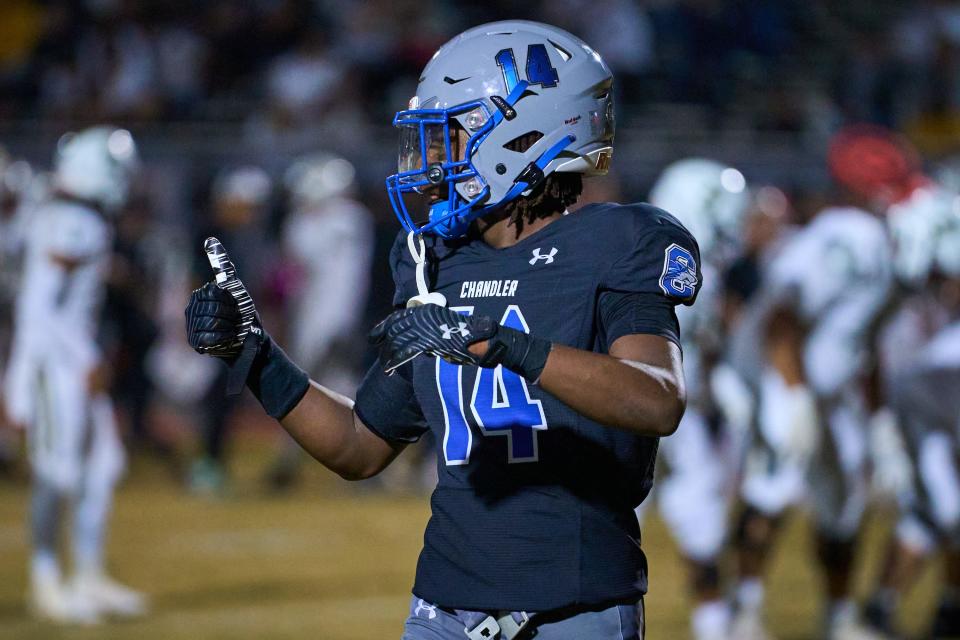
<point x="557" y="192"/>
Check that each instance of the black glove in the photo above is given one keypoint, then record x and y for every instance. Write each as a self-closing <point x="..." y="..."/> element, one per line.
<point x="438" y="331"/>
<point x="223" y="322"/>
<point x="214" y="323"/>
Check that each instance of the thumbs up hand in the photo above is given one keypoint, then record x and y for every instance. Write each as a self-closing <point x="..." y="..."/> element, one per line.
<point x="222" y="322"/>
<point x="221" y="314"/>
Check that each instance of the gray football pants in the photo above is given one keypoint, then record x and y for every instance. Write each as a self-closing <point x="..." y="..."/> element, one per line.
<point x="928" y="404"/>
<point x="620" y="622"/>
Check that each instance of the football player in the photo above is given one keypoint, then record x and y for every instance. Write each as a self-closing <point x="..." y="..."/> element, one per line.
<point x="57" y="378"/>
<point x="822" y="295"/>
<point x="925" y="224"/>
<point x="542" y="349"/>
<point x="329" y="237"/>
<point x="710" y="199"/>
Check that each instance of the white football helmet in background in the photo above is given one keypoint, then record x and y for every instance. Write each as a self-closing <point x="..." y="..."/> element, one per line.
<point x="97" y="165"/>
<point x="708" y="197"/>
<point x="314" y="179"/>
<point x="249" y="185"/>
<point x="926" y="234"/>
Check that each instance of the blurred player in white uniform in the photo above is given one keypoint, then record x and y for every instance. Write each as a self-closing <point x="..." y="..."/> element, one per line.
<point x="56" y="381"/>
<point x="710" y="199"/>
<point x="924" y="392"/>
<point x="17" y="199"/>
<point x="329" y="237"/>
<point x="812" y="324"/>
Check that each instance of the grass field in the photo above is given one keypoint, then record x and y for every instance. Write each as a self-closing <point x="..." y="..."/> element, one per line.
<point x="331" y="561"/>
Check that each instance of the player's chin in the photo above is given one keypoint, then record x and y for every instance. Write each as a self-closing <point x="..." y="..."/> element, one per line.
<point x="432" y="198"/>
<point x="419" y="203"/>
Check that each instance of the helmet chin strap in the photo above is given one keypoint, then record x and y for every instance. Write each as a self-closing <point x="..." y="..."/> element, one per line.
<point x="418" y="251"/>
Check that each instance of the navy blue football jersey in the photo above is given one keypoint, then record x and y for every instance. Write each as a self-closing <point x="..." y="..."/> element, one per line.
<point x="534" y="508"/>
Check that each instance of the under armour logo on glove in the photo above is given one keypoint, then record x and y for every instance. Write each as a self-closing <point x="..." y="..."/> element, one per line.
<point x="460" y="330"/>
<point x="429" y="329"/>
<point x="548" y="258"/>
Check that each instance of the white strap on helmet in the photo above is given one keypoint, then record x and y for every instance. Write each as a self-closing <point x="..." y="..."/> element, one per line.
<point x="418" y="251"/>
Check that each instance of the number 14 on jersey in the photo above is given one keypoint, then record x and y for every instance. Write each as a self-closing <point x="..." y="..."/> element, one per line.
<point x="499" y="405"/>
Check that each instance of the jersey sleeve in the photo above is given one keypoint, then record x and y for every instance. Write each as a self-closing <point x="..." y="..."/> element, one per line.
<point x="658" y="271"/>
<point x="387" y="405"/>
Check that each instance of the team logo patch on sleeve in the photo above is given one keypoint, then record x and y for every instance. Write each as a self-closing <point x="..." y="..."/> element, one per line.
<point x="679" y="277"/>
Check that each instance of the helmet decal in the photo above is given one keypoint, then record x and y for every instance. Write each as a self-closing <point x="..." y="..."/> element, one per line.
<point x="539" y="69"/>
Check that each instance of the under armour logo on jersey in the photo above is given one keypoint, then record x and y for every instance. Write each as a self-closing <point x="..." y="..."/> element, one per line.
<point x="448" y="332"/>
<point x="431" y="609"/>
<point x="548" y="258"/>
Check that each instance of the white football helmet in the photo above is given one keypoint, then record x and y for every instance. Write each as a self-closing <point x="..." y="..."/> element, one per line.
<point x="96" y="164"/>
<point x="315" y="178"/>
<point x="249" y="185"/>
<point x="926" y="234"/>
<point x="708" y="197"/>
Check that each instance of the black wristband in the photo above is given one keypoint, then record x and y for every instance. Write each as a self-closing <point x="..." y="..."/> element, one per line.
<point x="275" y="380"/>
<point x="517" y="351"/>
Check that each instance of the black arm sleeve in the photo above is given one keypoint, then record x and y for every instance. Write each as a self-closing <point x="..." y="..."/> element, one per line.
<point x="387" y="405"/>
<point x="626" y="313"/>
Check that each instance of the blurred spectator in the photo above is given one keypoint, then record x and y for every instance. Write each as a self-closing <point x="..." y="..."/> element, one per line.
<point x="19" y="34"/>
<point x="240" y="199"/>
<point x="301" y="84"/>
<point x="182" y="56"/>
<point x="298" y="60"/>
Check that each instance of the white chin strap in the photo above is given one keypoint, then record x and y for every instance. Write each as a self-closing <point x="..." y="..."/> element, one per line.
<point x="424" y="296"/>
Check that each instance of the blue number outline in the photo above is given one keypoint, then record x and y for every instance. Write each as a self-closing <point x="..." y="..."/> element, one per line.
<point x="508" y="65"/>
<point x="498" y="380"/>
<point x="460" y="422"/>
<point x="442" y="364"/>
<point x="539" y="68"/>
